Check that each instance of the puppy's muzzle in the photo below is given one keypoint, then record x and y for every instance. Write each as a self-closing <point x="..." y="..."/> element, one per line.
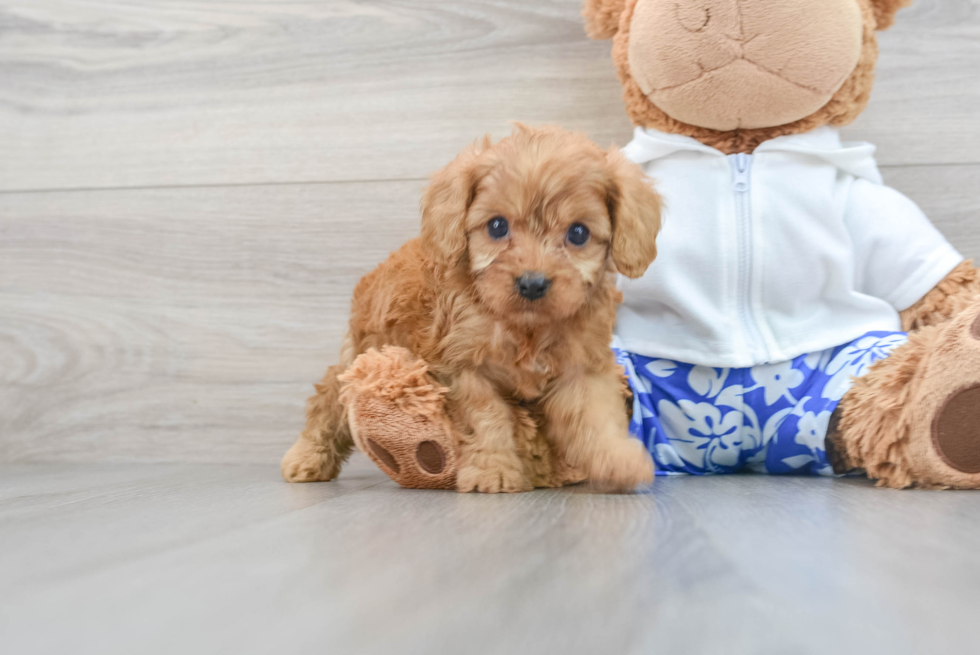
<point x="532" y="285"/>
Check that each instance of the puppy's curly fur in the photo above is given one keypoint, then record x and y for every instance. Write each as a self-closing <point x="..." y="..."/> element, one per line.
<point x="452" y="298"/>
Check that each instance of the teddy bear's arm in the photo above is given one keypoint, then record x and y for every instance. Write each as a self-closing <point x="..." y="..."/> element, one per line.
<point x="945" y="300"/>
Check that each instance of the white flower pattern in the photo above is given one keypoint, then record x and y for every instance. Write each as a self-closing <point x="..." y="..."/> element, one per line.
<point x="705" y="437"/>
<point x="662" y="368"/>
<point x="777" y="380"/>
<point x="854" y="360"/>
<point x="812" y="429"/>
<point x="771" y="418"/>
<point x="707" y="381"/>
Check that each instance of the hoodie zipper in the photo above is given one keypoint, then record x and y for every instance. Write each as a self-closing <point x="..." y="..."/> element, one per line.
<point x="741" y="165"/>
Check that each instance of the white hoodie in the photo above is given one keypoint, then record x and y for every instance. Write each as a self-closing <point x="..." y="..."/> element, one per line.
<point x="791" y="250"/>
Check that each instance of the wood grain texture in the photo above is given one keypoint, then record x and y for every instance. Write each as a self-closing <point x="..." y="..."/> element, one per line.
<point x="165" y="323"/>
<point x="927" y="86"/>
<point x="189" y="191"/>
<point x="147" y="93"/>
<point x="114" y="93"/>
<point x="200" y="559"/>
<point x="189" y="324"/>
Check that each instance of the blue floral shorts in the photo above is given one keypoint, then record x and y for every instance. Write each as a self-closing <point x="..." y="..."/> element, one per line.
<point x="770" y="418"/>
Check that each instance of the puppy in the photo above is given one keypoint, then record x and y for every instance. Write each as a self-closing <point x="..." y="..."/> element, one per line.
<point x="508" y="300"/>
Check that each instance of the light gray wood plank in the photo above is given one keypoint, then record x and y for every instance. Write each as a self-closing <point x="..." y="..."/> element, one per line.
<point x="927" y="85"/>
<point x="192" y="558"/>
<point x="148" y="93"/>
<point x="113" y="93"/>
<point x="128" y="317"/>
<point x="949" y="196"/>
<point x="190" y="324"/>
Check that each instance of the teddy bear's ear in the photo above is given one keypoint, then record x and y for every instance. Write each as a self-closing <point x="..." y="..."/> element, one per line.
<point x="885" y="11"/>
<point x="602" y="17"/>
<point x="445" y="203"/>
<point x="634" y="208"/>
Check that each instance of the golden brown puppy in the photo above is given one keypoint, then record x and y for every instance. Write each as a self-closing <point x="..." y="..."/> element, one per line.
<point x="509" y="298"/>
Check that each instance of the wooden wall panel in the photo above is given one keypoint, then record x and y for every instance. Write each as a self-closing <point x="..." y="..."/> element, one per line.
<point x="189" y="191"/>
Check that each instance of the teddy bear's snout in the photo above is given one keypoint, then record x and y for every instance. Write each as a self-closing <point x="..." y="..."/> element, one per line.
<point x="729" y="64"/>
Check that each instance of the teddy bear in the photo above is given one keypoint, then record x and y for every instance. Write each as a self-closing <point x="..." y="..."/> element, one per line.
<point x="802" y="317"/>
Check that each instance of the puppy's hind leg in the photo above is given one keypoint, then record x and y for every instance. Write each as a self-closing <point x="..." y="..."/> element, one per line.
<point x="325" y="443"/>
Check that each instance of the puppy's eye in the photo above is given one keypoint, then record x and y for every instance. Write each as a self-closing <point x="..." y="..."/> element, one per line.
<point x="578" y="234"/>
<point x="498" y="228"/>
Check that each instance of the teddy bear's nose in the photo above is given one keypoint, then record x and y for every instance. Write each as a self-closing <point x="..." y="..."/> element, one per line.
<point x="532" y="285"/>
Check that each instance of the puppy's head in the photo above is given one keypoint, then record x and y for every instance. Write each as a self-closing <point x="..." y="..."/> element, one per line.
<point x="539" y="220"/>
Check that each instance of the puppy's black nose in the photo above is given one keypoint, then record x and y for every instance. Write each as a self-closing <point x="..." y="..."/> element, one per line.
<point x="532" y="285"/>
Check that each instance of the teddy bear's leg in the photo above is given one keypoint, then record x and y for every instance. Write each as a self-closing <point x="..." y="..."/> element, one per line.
<point x="914" y="419"/>
<point x="397" y="418"/>
<point x="325" y="443"/>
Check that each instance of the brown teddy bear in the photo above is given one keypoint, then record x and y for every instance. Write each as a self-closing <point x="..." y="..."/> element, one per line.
<point x="802" y="317"/>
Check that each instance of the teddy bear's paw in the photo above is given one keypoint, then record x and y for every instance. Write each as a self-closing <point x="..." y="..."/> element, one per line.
<point x="397" y="418"/>
<point x="417" y="452"/>
<point x="944" y="416"/>
<point x="492" y="474"/>
<point x="955" y="430"/>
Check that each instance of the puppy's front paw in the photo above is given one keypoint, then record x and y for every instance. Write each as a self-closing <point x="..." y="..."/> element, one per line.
<point x="625" y="466"/>
<point x="304" y="463"/>
<point x="493" y="477"/>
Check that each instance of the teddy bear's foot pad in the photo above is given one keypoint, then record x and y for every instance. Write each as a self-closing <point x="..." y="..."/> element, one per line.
<point x="396" y="417"/>
<point x="414" y="451"/>
<point x="429" y="456"/>
<point x="914" y="419"/>
<point x="952" y="388"/>
<point x="956" y="433"/>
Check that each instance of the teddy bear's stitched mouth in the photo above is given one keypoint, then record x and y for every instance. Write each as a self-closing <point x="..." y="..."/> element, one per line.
<point x="705" y="71"/>
<point x="740" y="42"/>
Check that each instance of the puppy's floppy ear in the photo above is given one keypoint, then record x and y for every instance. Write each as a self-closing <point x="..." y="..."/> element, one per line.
<point x="885" y="11"/>
<point x="445" y="203"/>
<point x="602" y="17"/>
<point x="634" y="208"/>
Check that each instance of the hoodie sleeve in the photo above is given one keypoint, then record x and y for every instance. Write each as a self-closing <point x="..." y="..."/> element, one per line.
<point x="899" y="254"/>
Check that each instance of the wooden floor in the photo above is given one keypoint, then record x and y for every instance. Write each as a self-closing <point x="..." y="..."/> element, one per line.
<point x="196" y="558"/>
<point x="188" y="193"/>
